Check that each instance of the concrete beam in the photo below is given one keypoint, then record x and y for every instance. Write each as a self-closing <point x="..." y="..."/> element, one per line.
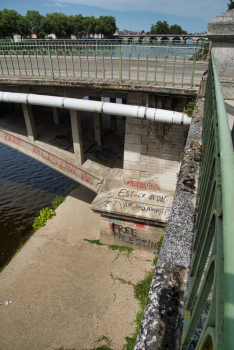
<point x="77" y="136"/>
<point x="29" y="121"/>
<point x="56" y="115"/>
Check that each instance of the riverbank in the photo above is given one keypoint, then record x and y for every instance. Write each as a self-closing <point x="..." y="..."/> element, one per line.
<point x="66" y="292"/>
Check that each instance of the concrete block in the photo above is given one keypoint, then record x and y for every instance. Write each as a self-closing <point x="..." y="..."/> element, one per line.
<point x="130" y="138"/>
<point x="136" y="129"/>
<point x="134" y="166"/>
<point x="132" y="174"/>
<point x="131" y="234"/>
<point x="142" y="149"/>
<point x="134" y="121"/>
<point x="132" y="156"/>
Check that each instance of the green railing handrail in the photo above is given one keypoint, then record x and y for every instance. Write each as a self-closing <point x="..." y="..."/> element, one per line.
<point x="212" y="265"/>
<point x="34" y="61"/>
<point x="227" y="174"/>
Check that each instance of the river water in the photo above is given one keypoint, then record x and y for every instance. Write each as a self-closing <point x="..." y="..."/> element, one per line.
<point x="26" y="186"/>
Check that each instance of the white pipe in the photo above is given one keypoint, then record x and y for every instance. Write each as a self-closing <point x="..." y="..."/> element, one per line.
<point x="154" y="114"/>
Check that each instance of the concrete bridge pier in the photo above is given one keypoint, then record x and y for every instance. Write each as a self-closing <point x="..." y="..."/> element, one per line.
<point x="112" y="117"/>
<point x="29" y="121"/>
<point x="56" y="115"/>
<point x="77" y="136"/>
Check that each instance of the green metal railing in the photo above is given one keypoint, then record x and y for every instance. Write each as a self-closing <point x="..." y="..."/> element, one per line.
<point x="95" y="60"/>
<point x="34" y="44"/>
<point x="211" y="282"/>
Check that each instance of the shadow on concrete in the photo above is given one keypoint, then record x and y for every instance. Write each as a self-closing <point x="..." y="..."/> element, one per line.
<point x="84" y="194"/>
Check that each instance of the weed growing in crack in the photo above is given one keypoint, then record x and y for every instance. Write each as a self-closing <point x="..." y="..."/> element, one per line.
<point x="56" y="201"/>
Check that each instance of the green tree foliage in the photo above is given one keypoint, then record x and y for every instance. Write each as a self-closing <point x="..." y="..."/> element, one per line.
<point x="8" y="22"/>
<point x="231" y="5"/>
<point x="160" y="28"/>
<point x="58" y="23"/>
<point x="105" y="25"/>
<point x="176" y="29"/>
<point x="164" y="28"/>
<point x="36" y="23"/>
<point x="23" y="26"/>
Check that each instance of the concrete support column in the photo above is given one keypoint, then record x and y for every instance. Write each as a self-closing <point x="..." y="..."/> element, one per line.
<point x="97" y="124"/>
<point x="124" y="102"/>
<point x="159" y="102"/>
<point x="29" y="121"/>
<point x="56" y="115"/>
<point x="112" y="117"/>
<point x="77" y="136"/>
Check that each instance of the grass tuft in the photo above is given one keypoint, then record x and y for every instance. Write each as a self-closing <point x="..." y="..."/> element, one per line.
<point x="56" y="201"/>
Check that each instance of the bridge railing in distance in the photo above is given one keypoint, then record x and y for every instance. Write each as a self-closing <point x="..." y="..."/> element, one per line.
<point x="167" y="64"/>
<point x="210" y="301"/>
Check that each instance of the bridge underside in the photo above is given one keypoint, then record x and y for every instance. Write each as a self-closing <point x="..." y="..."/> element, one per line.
<point x="132" y="165"/>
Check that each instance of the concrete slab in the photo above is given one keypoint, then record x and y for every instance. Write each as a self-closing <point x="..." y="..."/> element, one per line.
<point x="64" y="291"/>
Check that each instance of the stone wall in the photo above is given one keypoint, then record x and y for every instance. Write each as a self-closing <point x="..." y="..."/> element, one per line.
<point x="153" y="152"/>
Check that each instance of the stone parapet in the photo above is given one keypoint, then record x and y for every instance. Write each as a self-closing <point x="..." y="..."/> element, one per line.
<point x="221" y="32"/>
<point x="162" y="322"/>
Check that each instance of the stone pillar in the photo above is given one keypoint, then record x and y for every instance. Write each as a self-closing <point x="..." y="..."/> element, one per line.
<point x="29" y="121"/>
<point x="221" y="32"/>
<point x="113" y="117"/>
<point x="77" y="136"/>
<point x="56" y="115"/>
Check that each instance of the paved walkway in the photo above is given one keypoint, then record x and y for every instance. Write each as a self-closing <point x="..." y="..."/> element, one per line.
<point x="64" y="290"/>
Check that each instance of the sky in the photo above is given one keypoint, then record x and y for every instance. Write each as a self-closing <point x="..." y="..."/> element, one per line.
<point x="136" y="15"/>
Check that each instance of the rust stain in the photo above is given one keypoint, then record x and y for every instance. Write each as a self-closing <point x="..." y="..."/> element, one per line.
<point x="219" y="186"/>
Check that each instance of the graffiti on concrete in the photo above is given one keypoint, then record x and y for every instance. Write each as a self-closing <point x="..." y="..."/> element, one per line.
<point x="62" y="141"/>
<point x="100" y="152"/>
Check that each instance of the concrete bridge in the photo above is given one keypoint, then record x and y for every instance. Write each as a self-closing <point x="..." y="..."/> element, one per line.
<point x="137" y="165"/>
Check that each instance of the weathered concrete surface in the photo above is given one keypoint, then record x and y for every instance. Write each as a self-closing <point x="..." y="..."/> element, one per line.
<point x="65" y="291"/>
<point x="161" y="326"/>
<point x="221" y="32"/>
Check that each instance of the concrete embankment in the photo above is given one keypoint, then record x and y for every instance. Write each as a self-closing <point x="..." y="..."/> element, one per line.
<point x="66" y="292"/>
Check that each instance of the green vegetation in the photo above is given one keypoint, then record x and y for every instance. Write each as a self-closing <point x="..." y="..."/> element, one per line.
<point x="112" y="247"/>
<point x="105" y="339"/>
<point x="74" y="186"/>
<point x="231" y="5"/>
<point x="45" y="214"/>
<point x="11" y="22"/>
<point x="163" y="28"/>
<point x="56" y="201"/>
<point x="189" y="108"/>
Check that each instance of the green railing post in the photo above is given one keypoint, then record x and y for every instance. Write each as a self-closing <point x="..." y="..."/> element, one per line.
<point x="120" y="65"/>
<point x="51" y="65"/>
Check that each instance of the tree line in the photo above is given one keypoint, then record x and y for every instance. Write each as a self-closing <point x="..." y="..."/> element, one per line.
<point x="11" y="22"/>
<point x="164" y="28"/>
